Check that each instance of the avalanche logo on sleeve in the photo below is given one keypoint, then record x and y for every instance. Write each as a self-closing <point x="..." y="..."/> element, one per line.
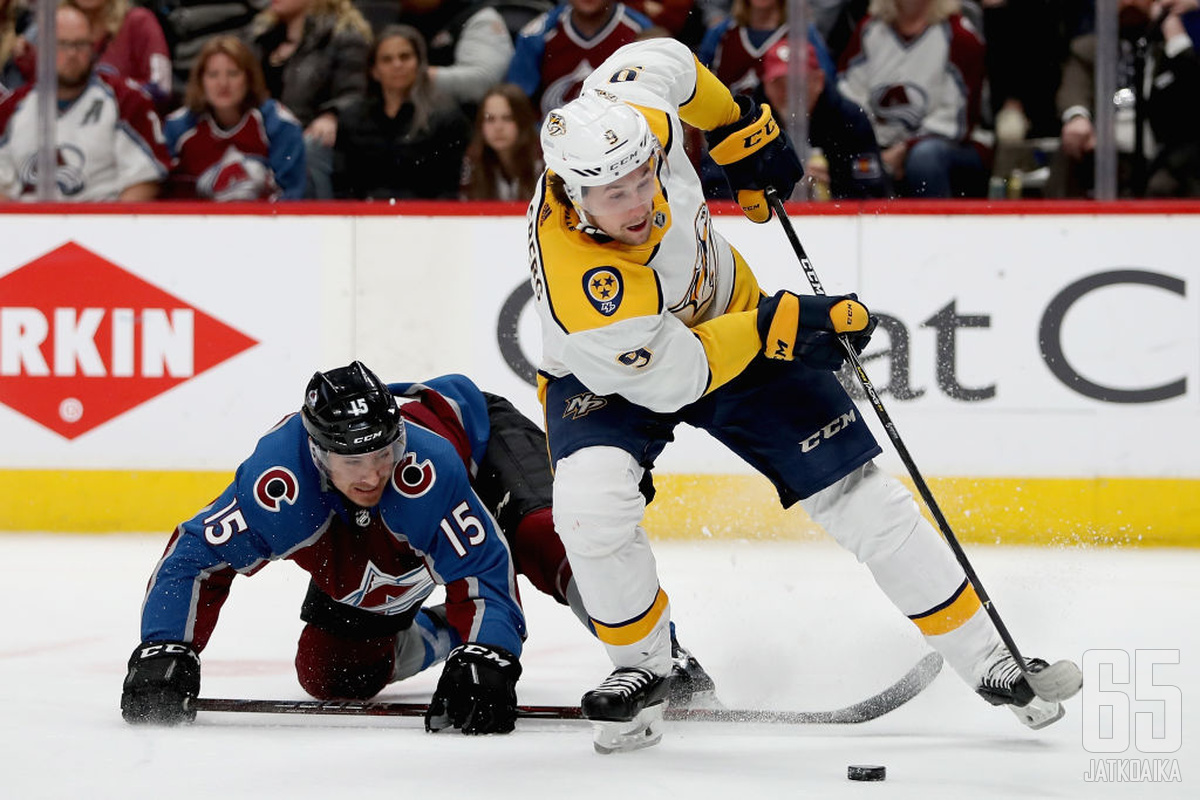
<point x="413" y="479"/>
<point x="276" y="486"/>
<point x="604" y="289"/>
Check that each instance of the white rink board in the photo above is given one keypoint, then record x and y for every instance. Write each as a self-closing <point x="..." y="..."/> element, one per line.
<point x="284" y="282"/>
<point x="422" y="295"/>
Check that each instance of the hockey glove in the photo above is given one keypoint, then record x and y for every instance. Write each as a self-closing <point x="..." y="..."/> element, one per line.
<point x="807" y="327"/>
<point x="162" y="677"/>
<point x="756" y="154"/>
<point x="477" y="691"/>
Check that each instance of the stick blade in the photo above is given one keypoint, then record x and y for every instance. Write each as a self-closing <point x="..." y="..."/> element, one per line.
<point x="1057" y="682"/>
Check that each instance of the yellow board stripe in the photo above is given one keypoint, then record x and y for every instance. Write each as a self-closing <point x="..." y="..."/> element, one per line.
<point x="636" y="629"/>
<point x="1129" y="512"/>
<point x="951" y="614"/>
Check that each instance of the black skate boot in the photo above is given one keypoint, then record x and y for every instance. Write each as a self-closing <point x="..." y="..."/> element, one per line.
<point x="627" y="709"/>
<point x="1003" y="684"/>
<point x="690" y="686"/>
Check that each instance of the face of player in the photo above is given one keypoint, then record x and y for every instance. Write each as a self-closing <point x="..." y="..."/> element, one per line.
<point x="395" y="65"/>
<point x="361" y="478"/>
<point x="224" y="85"/>
<point x="499" y="125"/>
<point x="73" y="55"/>
<point x="624" y="208"/>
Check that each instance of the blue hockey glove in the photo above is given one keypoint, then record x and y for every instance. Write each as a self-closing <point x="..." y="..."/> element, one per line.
<point x="806" y="327"/>
<point x="756" y="154"/>
<point x="162" y="677"/>
<point x="477" y="691"/>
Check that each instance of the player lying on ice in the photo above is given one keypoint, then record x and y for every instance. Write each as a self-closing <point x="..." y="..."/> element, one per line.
<point x="379" y="492"/>
<point x="650" y="318"/>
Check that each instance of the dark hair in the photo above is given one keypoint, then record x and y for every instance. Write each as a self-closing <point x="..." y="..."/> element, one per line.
<point x="483" y="163"/>
<point x="422" y="95"/>
<point x="240" y="54"/>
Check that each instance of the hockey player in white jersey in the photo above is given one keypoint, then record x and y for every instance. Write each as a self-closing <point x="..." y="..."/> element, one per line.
<point x="650" y="318"/>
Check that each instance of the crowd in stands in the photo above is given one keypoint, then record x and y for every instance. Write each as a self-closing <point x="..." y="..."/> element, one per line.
<point x="442" y="99"/>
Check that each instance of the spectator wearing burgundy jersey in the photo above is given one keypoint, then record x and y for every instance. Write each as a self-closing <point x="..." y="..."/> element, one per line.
<point x="558" y="49"/>
<point x="231" y="141"/>
<point x="109" y="138"/>
<point x="917" y="68"/>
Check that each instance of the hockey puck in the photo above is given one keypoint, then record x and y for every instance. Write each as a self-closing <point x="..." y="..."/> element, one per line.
<point x="866" y="772"/>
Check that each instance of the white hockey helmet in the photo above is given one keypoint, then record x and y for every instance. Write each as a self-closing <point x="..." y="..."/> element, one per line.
<point x="594" y="140"/>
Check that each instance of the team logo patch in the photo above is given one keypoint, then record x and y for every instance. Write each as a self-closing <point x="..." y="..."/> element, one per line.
<point x="604" y="289"/>
<point x="555" y="125"/>
<point x="660" y="219"/>
<point x="583" y="404"/>
<point x="413" y="479"/>
<point x="276" y="486"/>
<point x="866" y="167"/>
<point x="635" y="358"/>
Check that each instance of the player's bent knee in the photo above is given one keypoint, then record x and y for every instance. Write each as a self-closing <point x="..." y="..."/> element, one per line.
<point x="867" y="512"/>
<point x="597" y="503"/>
<point x="331" y="667"/>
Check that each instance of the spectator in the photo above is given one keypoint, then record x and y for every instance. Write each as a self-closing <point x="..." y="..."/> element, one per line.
<point x="469" y="44"/>
<point x="16" y="69"/>
<point x="734" y="47"/>
<point x="1157" y="134"/>
<point x="504" y="157"/>
<point x="682" y="19"/>
<point x="129" y="43"/>
<point x="1026" y="47"/>
<point x="404" y="139"/>
<point x="560" y="48"/>
<point x="109" y="139"/>
<point x="313" y="55"/>
<point x="841" y="130"/>
<point x="189" y="24"/>
<point x="917" y="68"/>
<point x="231" y="141"/>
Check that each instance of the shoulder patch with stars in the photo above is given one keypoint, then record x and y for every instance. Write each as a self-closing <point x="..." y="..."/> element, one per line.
<point x="604" y="289"/>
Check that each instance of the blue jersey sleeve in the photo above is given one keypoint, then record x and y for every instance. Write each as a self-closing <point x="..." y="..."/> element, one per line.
<point x="434" y="508"/>
<point x="273" y="507"/>
<point x="525" y="68"/>
<point x="286" y="150"/>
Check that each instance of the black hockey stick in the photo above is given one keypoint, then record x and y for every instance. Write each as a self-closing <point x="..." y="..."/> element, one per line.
<point x="1054" y="683"/>
<point x="891" y="698"/>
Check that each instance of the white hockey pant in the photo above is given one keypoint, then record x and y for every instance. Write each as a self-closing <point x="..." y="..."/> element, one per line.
<point x="875" y="517"/>
<point x="598" y="512"/>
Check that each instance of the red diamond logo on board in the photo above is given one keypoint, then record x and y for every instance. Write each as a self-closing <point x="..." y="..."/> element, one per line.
<point x="83" y="341"/>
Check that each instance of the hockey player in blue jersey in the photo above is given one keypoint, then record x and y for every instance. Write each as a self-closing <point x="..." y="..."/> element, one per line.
<point x="379" y="510"/>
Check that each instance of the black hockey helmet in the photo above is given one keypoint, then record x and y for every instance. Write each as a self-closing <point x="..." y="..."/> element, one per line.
<point x="349" y="411"/>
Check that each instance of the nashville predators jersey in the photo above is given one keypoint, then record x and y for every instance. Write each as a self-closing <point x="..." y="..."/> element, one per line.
<point x="664" y="322"/>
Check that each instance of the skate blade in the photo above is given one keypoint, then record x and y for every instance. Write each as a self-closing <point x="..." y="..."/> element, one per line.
<point x="1056" y="682"/>
<point x="1039" y="713"/>
<point x="644" y="730"/>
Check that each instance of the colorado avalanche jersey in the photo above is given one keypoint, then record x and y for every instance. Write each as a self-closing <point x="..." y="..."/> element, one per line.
<point x="614" y="314"/>
<point x="552" y="58"/>
<point x="735" y="53"/>
<point x="429" y="528"/>
<point x="109" y="138"/>
<point x="260" y="158"/>
<point x="927" y="86"/>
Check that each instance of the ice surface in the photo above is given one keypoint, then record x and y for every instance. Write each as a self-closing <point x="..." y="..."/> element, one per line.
<point x="788" y="626"/>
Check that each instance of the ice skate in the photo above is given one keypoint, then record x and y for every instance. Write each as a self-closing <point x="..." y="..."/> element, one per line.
<point x="690" y="686"/>
<point x="626" y="709"/>
<point x="1003" y="684"/>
